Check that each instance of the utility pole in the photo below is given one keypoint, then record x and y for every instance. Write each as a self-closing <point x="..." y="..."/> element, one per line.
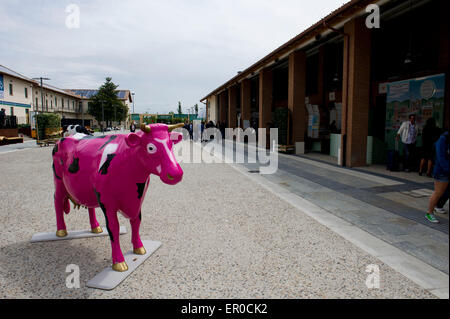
<point x="41" y="79"/>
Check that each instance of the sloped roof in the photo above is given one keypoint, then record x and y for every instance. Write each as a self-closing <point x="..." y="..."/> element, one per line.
<point x="348" y="9"/>
<point x="8" y="71"/>
<point x="5" y="70"/>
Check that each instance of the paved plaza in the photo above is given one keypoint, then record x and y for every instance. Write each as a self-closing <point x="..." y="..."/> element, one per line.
<point x="223" y="236"/>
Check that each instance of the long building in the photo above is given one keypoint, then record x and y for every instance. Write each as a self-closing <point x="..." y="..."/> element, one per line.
<point x="20" y="95"/>
<point x="347" y="82"/>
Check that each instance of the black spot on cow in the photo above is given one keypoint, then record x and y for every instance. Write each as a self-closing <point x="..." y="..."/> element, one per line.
<point x="104" y="169"/>
<point x="140" y="189"/>
<point x="140" y="216"/>
<point x="82" y="129"/>
<point x="103" y="208"/>
<point x="62" y="140"/>
<point x="54" y="172"/>
<point x="74" y="167"/>
<point x="111" y="138"/>
<point x="55" y="149"/>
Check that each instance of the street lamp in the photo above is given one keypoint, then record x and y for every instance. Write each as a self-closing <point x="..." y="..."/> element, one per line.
<point x="103" y="116"/>
<point x="41" y="79"/>
<point x="132" y="94"/>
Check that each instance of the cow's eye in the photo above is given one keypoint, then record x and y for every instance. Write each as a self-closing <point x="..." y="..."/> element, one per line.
<point x="151" y="148"/>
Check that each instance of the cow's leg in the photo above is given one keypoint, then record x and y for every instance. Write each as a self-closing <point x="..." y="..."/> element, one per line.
<point x="112" y="224"/>
<point x="60" y="198"/>
<point x="138" y="247"/>
<point x="95" y="226"/>
<point x="113" y="227"/>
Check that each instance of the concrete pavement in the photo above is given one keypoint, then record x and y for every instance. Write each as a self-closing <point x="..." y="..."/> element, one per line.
<point x="223" y="235"/>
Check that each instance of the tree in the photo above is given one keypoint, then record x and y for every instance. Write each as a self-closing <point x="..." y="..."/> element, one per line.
<point x="180" y="111"/>
<point x="196" y="108"/>
<point x="113" y="108"/>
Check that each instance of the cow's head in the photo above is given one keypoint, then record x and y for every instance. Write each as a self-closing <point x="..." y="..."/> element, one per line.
<point x="154" y="144"/>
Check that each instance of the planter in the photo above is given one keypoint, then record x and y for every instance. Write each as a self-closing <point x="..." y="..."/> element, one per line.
<point x="53" y="132"/>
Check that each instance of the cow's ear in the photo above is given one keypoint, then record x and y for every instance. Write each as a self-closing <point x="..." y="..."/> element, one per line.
<point x="176" y="137"/>
<point x="133" y="139"/>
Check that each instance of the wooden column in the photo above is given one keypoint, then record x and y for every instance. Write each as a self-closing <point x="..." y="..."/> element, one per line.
<point x="296" y="99"/>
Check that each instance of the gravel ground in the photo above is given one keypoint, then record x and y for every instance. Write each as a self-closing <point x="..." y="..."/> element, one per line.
<point x="223" y="237"/>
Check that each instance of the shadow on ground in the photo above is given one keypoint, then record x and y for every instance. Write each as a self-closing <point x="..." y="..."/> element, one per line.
<point x="38" y="270"/>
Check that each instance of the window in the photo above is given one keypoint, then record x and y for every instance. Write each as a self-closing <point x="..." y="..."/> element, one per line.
<point x="46" y="105"/>
<point x="62" y="103"/>
<point x="56" y="102"/>
<point x="10" y="89"/>
<point x="26" y="93"/>
<point x="11" y="110"/>
<point x="37" y="102"/>
<point x="73" y="105"/>
<point x="51" y="104"/>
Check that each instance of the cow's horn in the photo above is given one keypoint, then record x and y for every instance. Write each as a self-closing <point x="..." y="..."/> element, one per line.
<point x="172" y="127"/>
<point x="145" y="128"/>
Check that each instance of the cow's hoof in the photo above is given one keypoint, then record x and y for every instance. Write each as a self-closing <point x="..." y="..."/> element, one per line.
<point x="61" y="233"/>
<point x="97" y="230"/>
<point x="120" y="267"/>
<point x="139" y="251"/>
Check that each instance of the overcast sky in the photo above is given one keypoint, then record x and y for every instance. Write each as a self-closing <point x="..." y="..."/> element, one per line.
<point x="165" y="51"/>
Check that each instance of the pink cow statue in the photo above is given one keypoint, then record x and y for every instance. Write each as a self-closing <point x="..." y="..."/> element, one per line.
<point x="113" y="173"/>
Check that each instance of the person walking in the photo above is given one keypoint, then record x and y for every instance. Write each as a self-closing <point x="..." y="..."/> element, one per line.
<point x="133" y="127"/>
<point x="430" y="135"/>
<point x="439" y="209"/>
<point x="408" y="132"/>
<point x="441" y="170"/>
<point x="2" y="117"/>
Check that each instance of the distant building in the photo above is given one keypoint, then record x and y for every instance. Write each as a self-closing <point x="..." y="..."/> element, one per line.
<point x="20" y="95"/>
<point x="87" y="94"/>
<point x="347" y="73"/>
<point x="16" y="94"/>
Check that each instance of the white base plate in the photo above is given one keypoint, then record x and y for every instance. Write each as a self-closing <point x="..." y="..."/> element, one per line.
<point x="109" y="279"/>
<point x="76" y="234"/>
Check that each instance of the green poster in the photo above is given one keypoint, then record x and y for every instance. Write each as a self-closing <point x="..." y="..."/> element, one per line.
<point x="423" y="97"/>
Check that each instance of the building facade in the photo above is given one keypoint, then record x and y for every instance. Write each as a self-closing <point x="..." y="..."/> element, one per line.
<point x="347" y="82"/>
<point x="20" y="95"/>
<point x="16" y="94"/>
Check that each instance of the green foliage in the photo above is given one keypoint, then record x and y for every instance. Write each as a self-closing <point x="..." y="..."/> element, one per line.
<point x="176" y="120"/>
<point x="179" y="110"/>
<point x="196" y="108"/>
<point x="150" y="119"/>
<point x="47" y="120"/>
<point x="113" y="108"/>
